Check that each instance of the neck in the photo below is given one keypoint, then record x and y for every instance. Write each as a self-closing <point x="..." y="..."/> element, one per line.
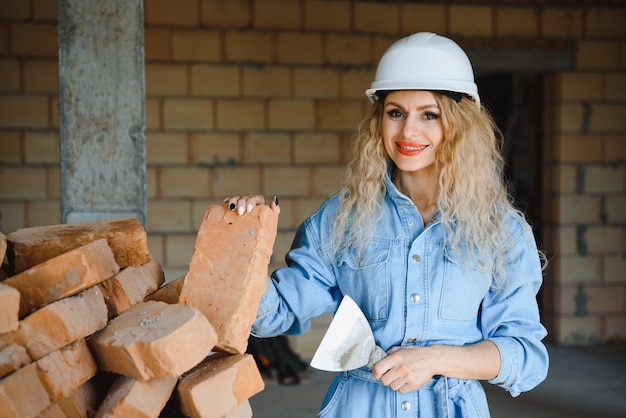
<point x="421" y="187"/>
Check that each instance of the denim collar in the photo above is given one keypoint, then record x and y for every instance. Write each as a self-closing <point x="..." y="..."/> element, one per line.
<point x="399" y="198"/>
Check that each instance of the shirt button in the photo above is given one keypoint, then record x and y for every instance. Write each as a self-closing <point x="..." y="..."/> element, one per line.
<point x="416" y="258"/>
<point x="406" y="405"/>
<point x="410" y="223"/>
<point x="411" y="340"/>
<point x="415" y="297"/>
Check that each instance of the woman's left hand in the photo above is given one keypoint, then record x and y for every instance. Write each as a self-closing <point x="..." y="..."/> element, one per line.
<point x="245" y="204"/>
<point x="406" y="368"/>
<point x="410" y="367"/>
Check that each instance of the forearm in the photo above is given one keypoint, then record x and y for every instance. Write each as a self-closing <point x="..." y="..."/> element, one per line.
<point x="480" y="361"/>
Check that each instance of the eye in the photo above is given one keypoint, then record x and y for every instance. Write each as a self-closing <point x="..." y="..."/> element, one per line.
<point x="395" y="114"/>
<point x="431" y="116"/>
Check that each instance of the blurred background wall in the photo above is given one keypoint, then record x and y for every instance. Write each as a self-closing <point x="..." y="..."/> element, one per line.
<point x="261" y="96"/>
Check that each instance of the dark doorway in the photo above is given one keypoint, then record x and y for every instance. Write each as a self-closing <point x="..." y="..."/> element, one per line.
<point x="515" y="103"/>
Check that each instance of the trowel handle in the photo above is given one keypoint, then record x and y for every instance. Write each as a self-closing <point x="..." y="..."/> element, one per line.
<point x="376" y="355"/>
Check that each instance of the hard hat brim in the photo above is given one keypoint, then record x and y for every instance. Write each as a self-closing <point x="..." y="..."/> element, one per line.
<point x="371" y="92"/>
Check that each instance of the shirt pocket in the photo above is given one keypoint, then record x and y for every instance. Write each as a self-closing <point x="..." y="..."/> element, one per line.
<point x="465" y="285"/>
<point x="365" y="278"/>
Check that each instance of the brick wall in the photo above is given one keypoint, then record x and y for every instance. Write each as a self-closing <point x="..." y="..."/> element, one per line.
<point x="261" y="96"/>
<point x="585" y="202"/>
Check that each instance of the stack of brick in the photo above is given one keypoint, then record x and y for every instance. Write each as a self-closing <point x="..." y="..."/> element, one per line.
<point x="89" y="329"/>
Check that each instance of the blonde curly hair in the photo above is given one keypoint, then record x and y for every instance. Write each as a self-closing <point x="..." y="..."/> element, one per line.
<point x="472" y="198"/>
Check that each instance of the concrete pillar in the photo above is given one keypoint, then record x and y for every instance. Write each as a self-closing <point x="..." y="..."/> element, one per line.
<point x="101" y="110"/>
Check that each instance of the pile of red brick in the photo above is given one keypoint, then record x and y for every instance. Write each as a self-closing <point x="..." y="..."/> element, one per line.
<point x="89" y="329"/>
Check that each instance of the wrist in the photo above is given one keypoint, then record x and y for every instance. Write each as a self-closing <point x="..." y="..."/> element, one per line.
<point x="439" y="358"/>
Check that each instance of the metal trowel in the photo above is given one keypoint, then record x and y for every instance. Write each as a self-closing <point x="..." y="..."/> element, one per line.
<point x="348" y="343"/>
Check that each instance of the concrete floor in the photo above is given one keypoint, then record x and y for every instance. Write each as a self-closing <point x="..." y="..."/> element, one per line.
<point x="585" y="382"/>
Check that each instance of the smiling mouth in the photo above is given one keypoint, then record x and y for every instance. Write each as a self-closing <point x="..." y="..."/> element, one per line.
<point x="410" y="149"/>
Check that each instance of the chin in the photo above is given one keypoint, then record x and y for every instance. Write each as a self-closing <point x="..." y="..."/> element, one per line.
<point x="413" y="166"/>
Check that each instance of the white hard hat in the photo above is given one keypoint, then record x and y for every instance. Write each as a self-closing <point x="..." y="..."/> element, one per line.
<point x="424" y="61"/>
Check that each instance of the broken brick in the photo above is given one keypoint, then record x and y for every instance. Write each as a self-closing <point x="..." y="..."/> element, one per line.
<point x="127" y="238"/>
<point x="218" y="385"/>
<point x="64" y="275"/>
<point x="62" y="322"/>
<point x="154" y="339"/>
<point x="131" y="285"/>
<point x="129" y="397"/>
<point x="228" y="271"/>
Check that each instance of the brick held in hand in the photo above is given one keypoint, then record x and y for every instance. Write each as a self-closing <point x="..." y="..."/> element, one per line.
<point x="129" y="397"/>
<point x="62" y="322"/>
<point x="228" y="271"/>
<point x="131" y="285"/>
<point x="244" y="410"/>
<point x="153" y="339"/>
<point x="22" y="395"/>
<point x="127" y="238"/>
<point x="218" y="385"/>
<point x="9" y="308"/>
<point x="63" y="371"/>
<point x="64" y="275"/>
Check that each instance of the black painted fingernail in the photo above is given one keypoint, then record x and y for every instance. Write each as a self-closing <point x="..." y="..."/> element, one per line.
<point x="276" y="200"/>
<point x="232" y="206"/>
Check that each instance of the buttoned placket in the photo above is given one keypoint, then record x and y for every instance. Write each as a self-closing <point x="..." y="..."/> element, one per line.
<point x="415" y="286"/>
<point x="406" y="404"/>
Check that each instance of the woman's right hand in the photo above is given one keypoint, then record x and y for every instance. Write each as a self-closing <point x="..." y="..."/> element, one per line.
<point x="245" y="204"/>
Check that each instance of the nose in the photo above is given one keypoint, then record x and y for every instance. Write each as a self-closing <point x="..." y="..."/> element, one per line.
<point x="411" y="127"/>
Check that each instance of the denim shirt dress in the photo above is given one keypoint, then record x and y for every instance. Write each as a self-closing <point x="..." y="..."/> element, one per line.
<point x="414" y="292"/>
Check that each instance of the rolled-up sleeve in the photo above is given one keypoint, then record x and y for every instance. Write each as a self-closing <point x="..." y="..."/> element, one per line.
<point x="305" y="289"/>
<point x="510" y="318"/>
<point x="269" y="302"/>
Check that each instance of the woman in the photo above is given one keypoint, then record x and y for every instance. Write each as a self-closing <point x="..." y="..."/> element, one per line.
<point x="423" y="236"/>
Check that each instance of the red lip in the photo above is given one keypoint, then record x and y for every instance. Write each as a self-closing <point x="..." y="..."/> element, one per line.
<point x="410" y="148"/>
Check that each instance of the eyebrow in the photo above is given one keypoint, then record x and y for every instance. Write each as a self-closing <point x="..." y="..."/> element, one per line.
<point x="424" y="107"/>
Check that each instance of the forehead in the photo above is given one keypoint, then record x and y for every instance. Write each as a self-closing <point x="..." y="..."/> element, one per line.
<point x="411" y="97"/>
